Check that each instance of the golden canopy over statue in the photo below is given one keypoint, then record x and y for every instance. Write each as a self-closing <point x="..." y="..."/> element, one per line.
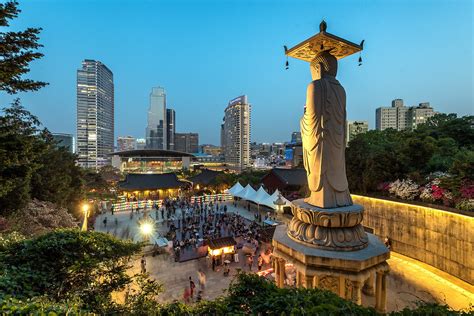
<point x="324" y="121"/>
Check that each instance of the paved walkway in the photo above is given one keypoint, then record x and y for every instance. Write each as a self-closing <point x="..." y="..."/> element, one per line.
<point x="409" y="280"/>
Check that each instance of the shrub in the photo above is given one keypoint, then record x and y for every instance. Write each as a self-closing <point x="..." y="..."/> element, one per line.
<point x="405" y="189"/>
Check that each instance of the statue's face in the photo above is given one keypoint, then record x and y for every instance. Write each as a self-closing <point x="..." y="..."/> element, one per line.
<point x="315" y="71"/>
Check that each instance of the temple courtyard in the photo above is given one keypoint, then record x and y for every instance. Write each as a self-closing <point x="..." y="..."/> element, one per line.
<point x="409" y="280"/>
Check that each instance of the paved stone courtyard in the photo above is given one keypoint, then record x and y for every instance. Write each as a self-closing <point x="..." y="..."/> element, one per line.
<point x="409" y="280"/>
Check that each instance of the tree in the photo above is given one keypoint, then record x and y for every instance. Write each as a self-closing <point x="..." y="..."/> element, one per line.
<point x="31" y="166"/>
<point x="19" y="152"/>
<point x="66" y="265"/>
<point x="59" y="179"/>
<point x="17" y="51"/>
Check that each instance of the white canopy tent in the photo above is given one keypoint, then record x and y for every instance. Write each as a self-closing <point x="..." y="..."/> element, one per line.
<point x="248" y="193"/>
<point x="236" y="188"/>
<point x="272" y="198"/>
<point x="261" y="196"/>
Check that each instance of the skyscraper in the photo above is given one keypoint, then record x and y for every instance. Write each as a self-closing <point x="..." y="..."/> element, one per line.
<point x="126" y="143"/>
<point x="187" y="142"/>
<point x="95" y="114"/>
<point x="354" y="128"/>
<point x="156" y="135"/>
<point x="237" y="133"/>
<point x="170" y="128"/>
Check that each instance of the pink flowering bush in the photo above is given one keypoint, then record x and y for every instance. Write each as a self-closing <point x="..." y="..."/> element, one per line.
<point x="433" y="192"/>
<point x="467" y="191"/>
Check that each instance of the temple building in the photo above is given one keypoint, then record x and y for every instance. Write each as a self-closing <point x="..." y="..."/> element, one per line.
<point x="151" y="161"/>
<point x="285" y="180"/>
<point x="151" y="186"/>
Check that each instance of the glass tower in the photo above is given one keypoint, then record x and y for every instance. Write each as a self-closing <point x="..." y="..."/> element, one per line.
<point x="95" y="114"/>
<point x="156" y="134"/>
<point x="236" y="133"/>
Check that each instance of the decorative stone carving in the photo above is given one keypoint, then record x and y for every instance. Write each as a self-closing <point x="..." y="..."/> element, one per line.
<point x="330" y="283"/>
<point x="330" y="229"/>
<point x="336" y="217"/>
<point x="340" y="238"/>
<point x="348" y="289"/>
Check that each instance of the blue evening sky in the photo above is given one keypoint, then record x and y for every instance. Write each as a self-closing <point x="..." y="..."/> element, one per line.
<point x="207" y="52"/>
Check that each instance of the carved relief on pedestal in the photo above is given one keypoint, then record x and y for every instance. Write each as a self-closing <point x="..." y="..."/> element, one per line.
<point x="330" y="283"/>
<point x="348" y="289"/>
<point x="340" y="238"/>
<point x="329" y="218"/>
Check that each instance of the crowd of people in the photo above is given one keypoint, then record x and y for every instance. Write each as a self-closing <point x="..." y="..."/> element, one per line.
<point x="190" y="225"/>
<point x="197" y="223"/>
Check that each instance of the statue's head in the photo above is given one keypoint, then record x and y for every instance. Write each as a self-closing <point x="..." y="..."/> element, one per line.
<point x="323" y="64"/>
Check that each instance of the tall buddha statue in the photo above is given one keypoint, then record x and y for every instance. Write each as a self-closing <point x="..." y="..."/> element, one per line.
<point x="324" y="121"/>
<point x="323" y="135"/>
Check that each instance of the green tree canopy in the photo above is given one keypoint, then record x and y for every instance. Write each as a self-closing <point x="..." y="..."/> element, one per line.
<point x="66" y="265"/>
<point x="32" y="166"/>
<point x="17" y="51"/>
<point x="445" y="143"/>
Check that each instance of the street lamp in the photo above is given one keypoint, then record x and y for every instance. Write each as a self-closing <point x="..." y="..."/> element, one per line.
<point x="85" y="210"/>
<point x="147" y="229"/>
<point x="279" y="203"/>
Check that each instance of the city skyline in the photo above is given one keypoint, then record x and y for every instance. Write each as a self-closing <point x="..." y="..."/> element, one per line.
<point x="404" y="69"/>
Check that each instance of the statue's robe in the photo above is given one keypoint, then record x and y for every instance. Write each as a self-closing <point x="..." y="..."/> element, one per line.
<point x="324" y="141"/>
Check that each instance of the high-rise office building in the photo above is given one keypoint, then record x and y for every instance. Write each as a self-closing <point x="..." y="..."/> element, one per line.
<point x="125" y="143"/>
<point x="400" y="117"/>
<point x="170" y="128"/>
<point x="237" y="133"/>
<point x="354" y="128"/>
<point x="187" y="142"/>
<point x="156" y="134"/>
<point x="95" y="114"/>
<point x="65" y="140"/>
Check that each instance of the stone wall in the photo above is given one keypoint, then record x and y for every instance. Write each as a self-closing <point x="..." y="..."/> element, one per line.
<point x="439" y="238"/>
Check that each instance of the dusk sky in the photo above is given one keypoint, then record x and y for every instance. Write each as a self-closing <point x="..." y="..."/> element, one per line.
<point x="205" y="53"/>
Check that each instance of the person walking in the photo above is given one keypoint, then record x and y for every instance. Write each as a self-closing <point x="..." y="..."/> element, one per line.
<point x="250" y="262"/>
<point x="192" y="286"/>
<point x="202" y="280"/>
<point x="260" y="262"/>
<point x="143" y="264"/>
<point x="186" y="295"/>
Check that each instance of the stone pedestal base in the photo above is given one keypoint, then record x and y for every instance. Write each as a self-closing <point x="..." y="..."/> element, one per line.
<point x="342" y="272"/>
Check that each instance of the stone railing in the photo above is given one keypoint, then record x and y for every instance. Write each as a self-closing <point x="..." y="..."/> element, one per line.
<point x="436" y="237"/>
